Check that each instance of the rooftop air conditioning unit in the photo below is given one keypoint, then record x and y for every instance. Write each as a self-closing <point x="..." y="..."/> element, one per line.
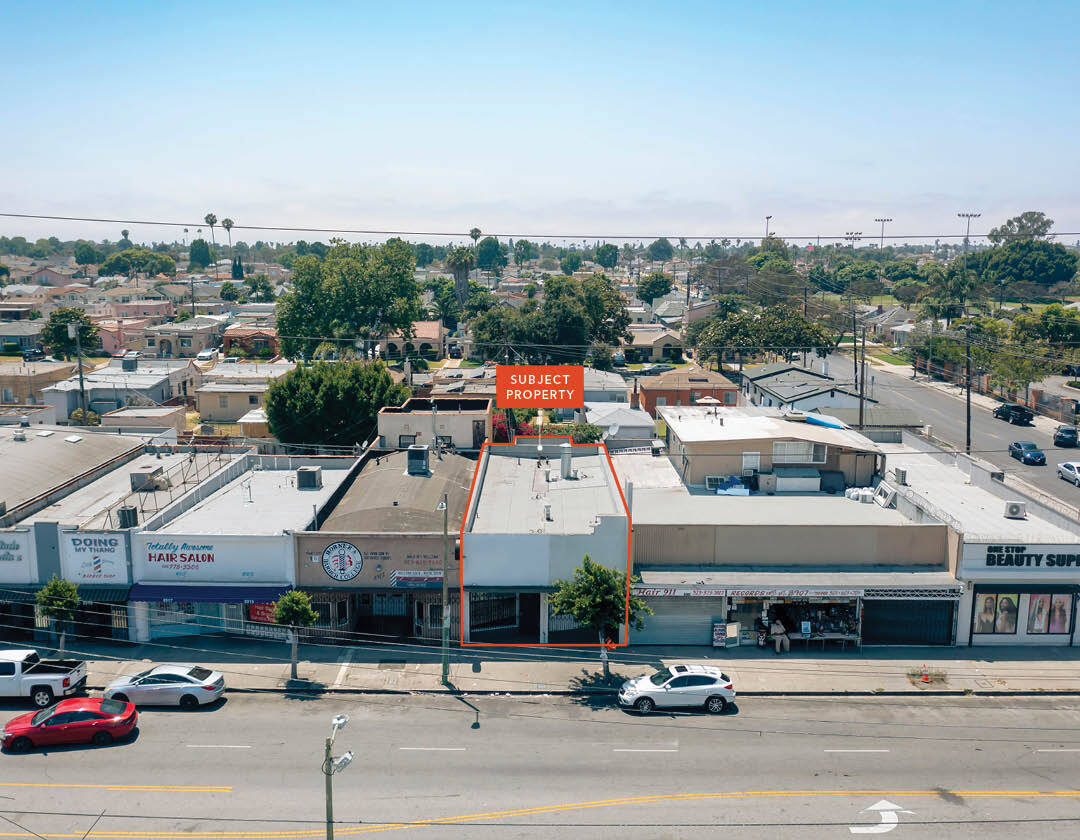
<point x="129" y="516"/>
<point x="146" y="479"/>
<point x="3" y="508"/>
<point x="418" y="459"/>
<point x="1016" y="510"/>
<point x="309" y="478"/>
<point x="901" y="476"/>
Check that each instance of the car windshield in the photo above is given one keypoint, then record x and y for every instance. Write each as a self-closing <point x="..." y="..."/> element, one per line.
<point x="43" y="715"/>
<point x="660" y="677"/>
<point x="1067" y="431"/>
<point x="113" y="707"/>
<point x="1029" y="447"/>
<point x="199" y="673"/>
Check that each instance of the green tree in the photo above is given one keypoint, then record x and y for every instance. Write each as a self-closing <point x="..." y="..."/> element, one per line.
<point x="446" y="302"/>
<point x="124" y="243"/>
<point x="199" y="255"/>
<point x="135" y="261"/>
<point x="491" y="255"/>
<point x="86" y="255"/>
<point x="460" y="260"/>
<point x="603" y="358"/>
<point x="605" y="310"/>
<point x="57" y="601"/>
<point x="330" y="403"/>
<point x="229" y="291"/>
<point x="570" y="263"/>
<point x="358" y="292"/>
<point x="293" y="610"/>
<point x="653" y="286"/>
<point x="424" y="253"/>
<point x="1032" y="224"/>
<point x="660" y="250"/>
<point x="586" y="433"/>
<point x="54" y="334"/>
<point x="237" y="269"/>
<point x="524" y="251"/>
<point x="1020" y="261"/>
<point x="607" y="256"/>
<point x="597" y="598"/>
<point x="260" y="289"/>
<point x="475" y="234"/>
<point x="1015" y="368"/>
<point x="91" y="419"/>
<point x="227" y="225"/>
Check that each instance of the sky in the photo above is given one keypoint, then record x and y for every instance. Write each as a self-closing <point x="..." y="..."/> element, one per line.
<point x="586" y="119"/>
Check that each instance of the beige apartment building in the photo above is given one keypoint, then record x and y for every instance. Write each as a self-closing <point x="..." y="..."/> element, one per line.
<point x="461" y="423"/>
<point x="227" y="402"/>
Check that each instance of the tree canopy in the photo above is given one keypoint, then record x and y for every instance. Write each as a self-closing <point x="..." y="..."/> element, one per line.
<point x="135" y="261"/>
<point x="333" y="403"/>
<point x="660" y="250"/>
<point x="54" y="334"/>
<point x="607" y="256"/>
<point x="199" y="255"/>
<point x="570" y="263"/>
<point x="597" y="598"/>
<point x="491" y="255"/>
<point x="653" y="286"/>
<point x="356" y="292"/>
<point x="1031" y="224"/>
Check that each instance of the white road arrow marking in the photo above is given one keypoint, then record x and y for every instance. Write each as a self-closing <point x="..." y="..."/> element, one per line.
<point x="889" y="818"/>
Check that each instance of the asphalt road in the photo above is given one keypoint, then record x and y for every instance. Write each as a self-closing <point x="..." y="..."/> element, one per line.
<point x="542" y="767"/>
<point x="990" y="437"/>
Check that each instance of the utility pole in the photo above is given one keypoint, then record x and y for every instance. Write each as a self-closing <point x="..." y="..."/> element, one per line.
<point x="854" y="346"/>
<point x="882" y="241"/>
<point x="967" y="376"/>
<point x="74" y="329"/>
<point x="766" y="229"/>
<point x="445" y="592"/>
<point x="192" y="279"/>
<point x="967" y="237"/>
<point x="805" y="292"/>
<point x="862" y="381"/>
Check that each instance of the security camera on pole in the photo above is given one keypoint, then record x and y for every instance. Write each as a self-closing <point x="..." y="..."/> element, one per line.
<point x="332" y="765"/>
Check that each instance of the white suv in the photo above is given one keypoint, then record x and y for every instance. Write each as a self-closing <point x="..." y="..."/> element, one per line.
<point x="681" y="686"/>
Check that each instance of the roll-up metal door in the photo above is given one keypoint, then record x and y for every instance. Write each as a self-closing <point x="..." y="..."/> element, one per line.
<point x="907" y="622"/>
<point x="679" y="621"/>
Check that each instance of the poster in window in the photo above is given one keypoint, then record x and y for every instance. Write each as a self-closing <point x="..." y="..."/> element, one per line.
<point x="984" y="618"/>
<point x="263" y="613"/>
<point x="1038" y="614"/>
<point x="1006" y="613"/>
<point x="1060" y="613"/>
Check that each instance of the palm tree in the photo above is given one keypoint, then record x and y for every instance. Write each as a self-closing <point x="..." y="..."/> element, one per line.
<point x="228" y="225"/>
<point x="475" y="234"/>
<point x="459" y="261"/>
<point x="124" y="234"/>
<point x="185" y="237"/>
<point x="211" y="220"/>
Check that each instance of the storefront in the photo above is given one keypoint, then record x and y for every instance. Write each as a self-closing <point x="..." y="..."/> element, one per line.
<point x="18" y="583"/>
<point x="1020" y="594"/>
<point x="97" y="563"/>
<point x="909" y="607"/>
<point x="193" y="584"/>
<point x="381" y="585"/>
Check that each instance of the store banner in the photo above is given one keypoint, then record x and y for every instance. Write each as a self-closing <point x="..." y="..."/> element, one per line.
<point x="736" y="592"/>
<point x="679" y="591"/>
<point x="415" y="579"/>
<point x="263" y="613"/>
<point x="1017" y="561"/>
<point x="99" y="557"/>
<point x="212" y="558"/>
<point x="18" y="556"/>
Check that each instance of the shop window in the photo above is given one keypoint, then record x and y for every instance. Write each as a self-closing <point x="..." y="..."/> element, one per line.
<point x="996" y="613"/>
<point x="1048" y="614"/>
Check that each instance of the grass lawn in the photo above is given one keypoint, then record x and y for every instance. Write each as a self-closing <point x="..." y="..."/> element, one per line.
<point x="191" y="420"/>
<point x="469" y="363"/>
<point x="891" y="358"/>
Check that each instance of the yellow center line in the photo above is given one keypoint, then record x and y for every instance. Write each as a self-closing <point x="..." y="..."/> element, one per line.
<point x="550" y="809"/>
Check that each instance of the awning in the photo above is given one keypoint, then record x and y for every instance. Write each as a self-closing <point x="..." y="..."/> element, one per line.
<point x="207" y="594"/>
<point x="891" y="583"/>
<point x="18" y="594"/>
<point x="104" y="594"/>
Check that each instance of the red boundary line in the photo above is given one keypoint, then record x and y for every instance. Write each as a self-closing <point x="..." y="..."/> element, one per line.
<point x="461" y="564"/>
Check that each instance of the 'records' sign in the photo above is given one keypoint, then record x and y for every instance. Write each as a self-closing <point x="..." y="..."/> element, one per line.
<point x="539" y="386"/>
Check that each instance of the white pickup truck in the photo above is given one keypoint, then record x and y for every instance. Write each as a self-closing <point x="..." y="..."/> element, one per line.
<point x="25" y="674"/>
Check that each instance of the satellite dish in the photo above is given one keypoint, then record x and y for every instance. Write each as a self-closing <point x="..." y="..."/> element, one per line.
<point x="612" y="430"/>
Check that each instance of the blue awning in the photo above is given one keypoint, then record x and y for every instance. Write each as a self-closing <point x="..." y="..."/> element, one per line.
<point x="207" y="594"/>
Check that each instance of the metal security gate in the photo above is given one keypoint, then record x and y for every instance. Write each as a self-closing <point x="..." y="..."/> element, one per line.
<point x="679" y="621"/>
<point x="907" y="622"/>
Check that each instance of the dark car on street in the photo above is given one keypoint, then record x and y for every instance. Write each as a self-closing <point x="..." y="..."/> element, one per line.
<point x="1014" y="413"/>
<point x="1027" y="452"/>
<point x="33" y="354"/>
<point x="1065" y="437"/>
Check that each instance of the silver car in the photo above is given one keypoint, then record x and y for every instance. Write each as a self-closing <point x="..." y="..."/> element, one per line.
<point x="186" y="686"/>
<point x="681" y="686"/>
<point x="1070" y="471"/>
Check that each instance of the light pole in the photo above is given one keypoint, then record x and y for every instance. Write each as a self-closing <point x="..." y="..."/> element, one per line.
<point x="332" y="765"/>
<point x="882" y="222"/>
<point x="766" y="229"/>
<point x="444" y="506"/>
<point x="967" y="234"/>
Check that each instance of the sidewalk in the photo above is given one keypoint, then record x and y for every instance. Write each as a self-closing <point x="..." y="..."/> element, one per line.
<point x="259" y="665"/>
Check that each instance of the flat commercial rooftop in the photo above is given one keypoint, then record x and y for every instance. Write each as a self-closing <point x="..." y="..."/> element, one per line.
<point x="645" y="471"/>
<point x="260" y="502"/>
<point x="679" y="506"/>
<point x="980" y="513"/>
<point x="699" y="424"/>
<point x="384" y="498"/>
<point x="515" y="491"/>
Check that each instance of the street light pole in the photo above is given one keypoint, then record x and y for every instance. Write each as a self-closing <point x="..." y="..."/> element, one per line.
<point x="882" y="241"/>
<point x="332" y="765"/>
<point x="445" y="591"/>
<point x="766" y="229"/>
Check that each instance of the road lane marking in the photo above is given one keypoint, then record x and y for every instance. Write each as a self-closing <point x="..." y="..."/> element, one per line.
<point x="856" y="751"/>
<point x="122" y="786"/>
<point x="434" y="749"/>
<point x="1057" y="750"/>
<point x="642" y="750"/>
<point x="343" y="671"/>
<point x="219" y="746"/>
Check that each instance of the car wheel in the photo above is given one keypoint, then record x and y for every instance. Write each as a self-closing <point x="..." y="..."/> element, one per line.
<point x="189" y="701"/>
<point x="123" y="698"/>
<point x="102" y="739"/>
<point x="644" y="705"/>
<point x="1077" y="482"/>
<point x="21" y="744"/>
<point x="42" y="696"/>
<point x="716" y="705"/>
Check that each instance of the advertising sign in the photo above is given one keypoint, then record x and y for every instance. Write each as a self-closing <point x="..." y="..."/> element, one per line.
<point x="982" y="561"/>
<point x="415" y="578"/>
<point x="211" y="558"/>
<point x="18" y="556"/>
<point x="263" y="613"/>
<point x="539" y="386"/>
<point x="94" y="557"/>
<point x="342" y="561"/>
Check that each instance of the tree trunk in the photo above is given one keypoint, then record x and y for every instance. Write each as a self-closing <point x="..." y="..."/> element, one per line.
<point x="63" y="639"/>
<point x="295" y="652"/>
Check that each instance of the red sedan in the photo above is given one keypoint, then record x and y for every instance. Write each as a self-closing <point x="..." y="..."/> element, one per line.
<point x="80" y="720"/>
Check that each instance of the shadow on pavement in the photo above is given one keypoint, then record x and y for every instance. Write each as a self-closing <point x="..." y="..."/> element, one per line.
<point x="303" y="689"/>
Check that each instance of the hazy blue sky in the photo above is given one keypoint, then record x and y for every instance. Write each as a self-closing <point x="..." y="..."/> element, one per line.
<point x="540" y="118"/>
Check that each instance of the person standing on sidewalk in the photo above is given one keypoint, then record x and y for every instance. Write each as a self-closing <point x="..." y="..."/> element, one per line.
<point x="780" y="636"/>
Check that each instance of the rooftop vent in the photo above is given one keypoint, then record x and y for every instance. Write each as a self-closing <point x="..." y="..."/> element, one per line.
<point x="309" y="478"/>
<point x="418" y="459"/>
<point x="18" y="434"/>
<point x="129" y="363"/>
<point x="901" y="476"/>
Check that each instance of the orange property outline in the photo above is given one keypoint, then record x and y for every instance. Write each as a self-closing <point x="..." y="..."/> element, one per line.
<point x="461" y="564"/>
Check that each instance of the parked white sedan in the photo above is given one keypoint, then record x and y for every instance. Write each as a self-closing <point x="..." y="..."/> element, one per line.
<point x="681" y="686"/>
<point x="186" y="686"/>
<point x="1070" y="471"/>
